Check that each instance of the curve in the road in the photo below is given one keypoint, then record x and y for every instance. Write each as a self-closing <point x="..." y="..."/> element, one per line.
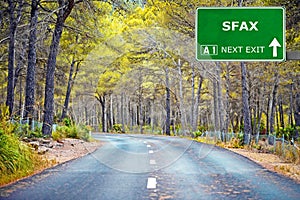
<point x="155" y="167"/>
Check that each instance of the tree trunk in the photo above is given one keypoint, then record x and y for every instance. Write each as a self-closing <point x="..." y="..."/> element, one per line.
<point x="68" y="92"/>
<point x="181" y="99"/>
<point x="297" y="113"/>
<point x="86" y="121"/>
<point x="152" y="115"/>
<point x="20" y="98"/>
<point x="140" y="103"/>
<point x="281" y="114"/>
<point x="260" y="109"/>
<point x="30" y="77"/>
<point x="122" y="112"/>
<point x="197" y="102"/>
<point x="268" y="116"/>
<point x="227" y="119"/>
<point x="291" y="121"/>
<point x="215" y="100"/>
<point x="13" y="21"/>
<point x="220" y="98"/>
<point x="20" y="64"/>
<point x="65" y="8"/>
<point x="111" y="119"/>
<point x="69" y="88"/>
<point x="168" y="107"/>
<point x="102" y="101"/>
<point x="193" y="123"/>
<point x="245" y="100"/>
<point x="141" y="122"/>
<point x="273" y="104"/>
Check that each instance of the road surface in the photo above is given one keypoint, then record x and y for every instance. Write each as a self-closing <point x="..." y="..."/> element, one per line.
<point x="154" y="167"/>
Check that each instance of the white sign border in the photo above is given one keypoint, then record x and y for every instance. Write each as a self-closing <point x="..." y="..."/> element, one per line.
<point x="242" y="60"/>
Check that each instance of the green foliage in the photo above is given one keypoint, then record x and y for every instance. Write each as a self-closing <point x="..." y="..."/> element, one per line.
<point x="5" y="124"/>
<point x="67" y="122"/>
<point x="14" y="155"/>
<point x="237" y="141"/>
<point x="57" y="135"/>
<point x="117" y="128"/>
<point x="16" y="158"/>
<point x="288" y="132"/>
<point x="200" y="131"/>
<point x="73" y="131"/>
<point x="197" y="133"/>
<point x="24" y="130"/>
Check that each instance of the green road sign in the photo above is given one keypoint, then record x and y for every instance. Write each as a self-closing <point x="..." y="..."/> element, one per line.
<point x="240" y="34"/>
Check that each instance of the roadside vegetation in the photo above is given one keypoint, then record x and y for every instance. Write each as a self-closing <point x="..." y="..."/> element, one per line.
<point x="288" y="150"/>
<point x="68" y="129"/>
<point x="19" y="158"/>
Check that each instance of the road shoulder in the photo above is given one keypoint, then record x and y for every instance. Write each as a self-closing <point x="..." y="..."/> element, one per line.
<point x="271" y="162"/>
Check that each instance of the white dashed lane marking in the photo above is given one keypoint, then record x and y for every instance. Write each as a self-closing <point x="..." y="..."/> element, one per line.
<point x="151" y="184"/>
<point x="151" y="151"/>
<point x="152" y="162"/>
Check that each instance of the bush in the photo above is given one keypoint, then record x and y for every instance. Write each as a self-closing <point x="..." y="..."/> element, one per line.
<point x="74" y="131"/>
<point x="197" y="134"/>
<point x="56" y="135"/>
<point x="13" y="154"/>
<point x="67" y="122"/>
<point x="84" y="132"/>
<point x="288" y="132"/>
<point x="237" y="141"/>
<point x="287" y="152"/>
<point x="117" y="128"/>
<point x="17" y="160"/>
<point x="24" y="130"/>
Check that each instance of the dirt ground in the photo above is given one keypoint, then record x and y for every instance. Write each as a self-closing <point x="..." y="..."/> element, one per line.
<point x="69" y="149"/>
<point x="272" y="162"/>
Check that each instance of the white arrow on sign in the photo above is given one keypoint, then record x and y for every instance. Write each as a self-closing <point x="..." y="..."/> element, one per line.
<point x="274" y="44"/>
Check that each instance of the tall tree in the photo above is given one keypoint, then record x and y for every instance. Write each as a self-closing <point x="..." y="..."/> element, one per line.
<point x="197" y="103"/>
<point x="245" y="100"/>
<point x="168" y="106"/>
<point x="245" y="97"/>
<point x="71" y="79"/>
<point x="297" y="113"/>
<point x="30" y="77"/>
<point x="102" y="99"/>
<point x="64" y="10"/>
<point x="15" y="13"/>
<point x="220" y="98"/>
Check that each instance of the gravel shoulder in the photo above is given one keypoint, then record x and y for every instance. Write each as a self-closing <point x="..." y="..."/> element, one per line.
<point x="271" y="162"/>
<point x="69" y="149"/>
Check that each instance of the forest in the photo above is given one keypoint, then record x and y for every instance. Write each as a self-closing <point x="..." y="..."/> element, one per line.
<point x="130" y="66"/>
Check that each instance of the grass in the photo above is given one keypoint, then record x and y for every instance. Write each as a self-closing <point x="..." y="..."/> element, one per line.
<point x="17" y="160"/>
<point x="287" y="152"/>
<point x="72" y="131"/>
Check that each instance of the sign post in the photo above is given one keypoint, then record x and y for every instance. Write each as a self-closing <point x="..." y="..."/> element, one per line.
<point x="240" y="34"/>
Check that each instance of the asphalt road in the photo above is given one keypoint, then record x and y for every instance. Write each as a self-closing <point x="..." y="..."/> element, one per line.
<point x="154" y="167"/>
